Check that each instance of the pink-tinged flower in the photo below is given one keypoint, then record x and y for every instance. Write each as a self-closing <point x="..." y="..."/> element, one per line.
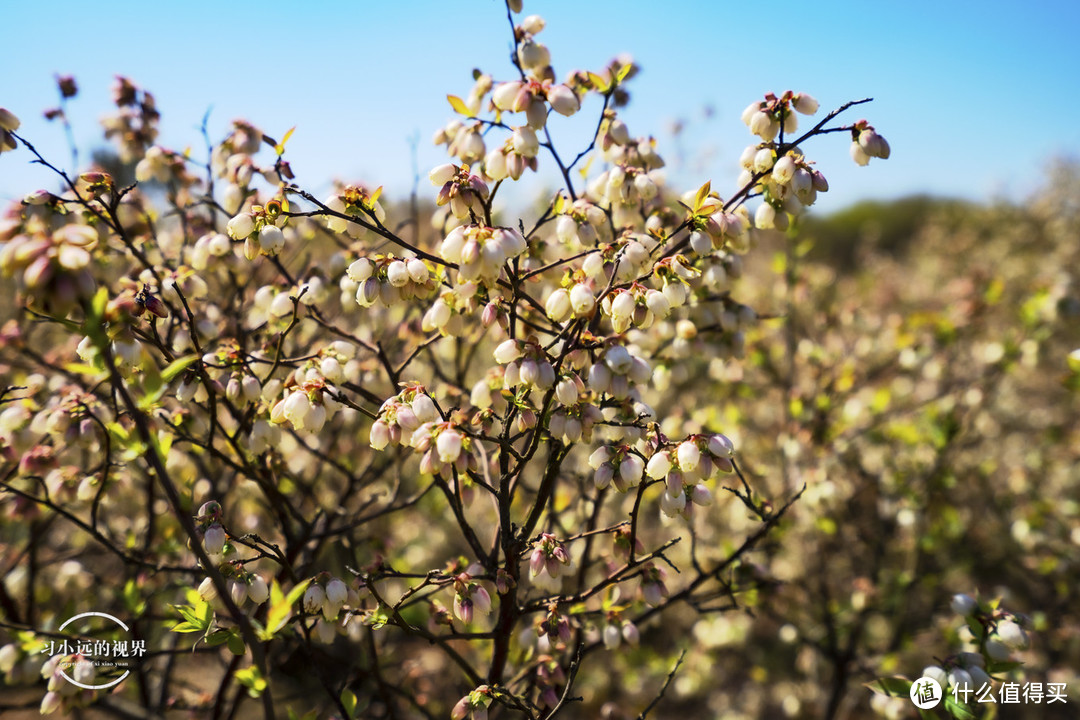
<point x="537" y="561"/>
<point x="461" y="707"/>
<point x="558" y="306"/>
<point x="380" y="435"/>
<point x="612" y="636"/>
<point x="337" y="592"/>
<point x="804" y="103"/>
<point x="582" y="300"/>
<point x="563" y="100"/>
<point x="50" y="703"/>
<point x="314" y="598"/>
<point x="507" y="351"/>
<point x="481" y="599"/>
<point x="873" y="144"/>
<point x="688" y="455"/>
<point x="8" y="121"/>
<point x="449" y="445"/>
<point x="630" y="469"/>
<point x="784" y="170"/>
<point x="659" y="465"/>
<point x="257" y="591"/>
<point x="238" y="591"/>
<point x="701" y="495"/>
<point x="442" y="174"/>
<point x="207" y="590"/>
<point x="214" y="539"/>
<point x="505" y="94"/>
<point x="672" y="505"/>
<point x="463" y="608"/>
<point x="241" y="226"/>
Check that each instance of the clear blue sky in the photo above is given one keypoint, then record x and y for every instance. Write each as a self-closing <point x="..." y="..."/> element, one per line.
<point x="974" y="97"/>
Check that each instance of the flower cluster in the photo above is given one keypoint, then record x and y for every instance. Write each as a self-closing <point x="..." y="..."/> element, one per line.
<point x="51" y="264"/>
<point x="480" y="251"/>
<point x="354" y="201"/>
<point x="616" y="370"/>
<point x="135" y="124"/>
<point x="548" y="554"/>
<point x="306" y="406"/>
<point x="685" y="469"/>
<point x="866" y="144"/>
<point x="401" y="415"/>
<point x="470" y="597"/>
<point x="261" y="229"/>
<point x="618" y="463"/>
<point x="464" y="192"/>
<point x="388" y="280"/>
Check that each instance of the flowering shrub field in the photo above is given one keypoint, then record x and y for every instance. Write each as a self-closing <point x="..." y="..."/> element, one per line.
<point x="632" y="451"/>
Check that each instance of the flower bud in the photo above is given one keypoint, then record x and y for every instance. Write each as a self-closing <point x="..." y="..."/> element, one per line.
<point x="804" y="104"/>
<point x="314" y="597"/>
<point x="257" y="590"/>
<point x="214" y="539"/>
<point x="563" y="100"/>
<point x="449" y="445"/>
<point x="558" y="305"/>
<point x="963" y="604"/>
<point x="659" y="465"/>
<point x="442" y="174"/>
<point x="961" y="680"/>
<point x="938" y="674"/>
<point x="688" y="454"/>
<point x="582" y="300"/>
<point x="241" y="226"/>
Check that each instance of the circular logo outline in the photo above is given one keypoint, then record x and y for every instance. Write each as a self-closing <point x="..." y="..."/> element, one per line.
<point x="913" y="693"/>
<point x="72" y="680"/>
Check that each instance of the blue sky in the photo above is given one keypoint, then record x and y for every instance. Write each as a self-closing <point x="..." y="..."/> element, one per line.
<point x="975" y="97"/>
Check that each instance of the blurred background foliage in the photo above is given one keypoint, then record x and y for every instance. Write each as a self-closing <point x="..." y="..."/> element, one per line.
<point x="914" y="378"/>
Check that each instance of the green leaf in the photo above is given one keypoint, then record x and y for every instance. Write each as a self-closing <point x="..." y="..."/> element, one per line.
<point x="199" y="616"/>
<point x="623" y="72"/>
<point x="297" y="592"/>
<point x="378" y="617"/>
<point x="891" y="686"/>
<point x="958" y="710"/>
<point x="999" y="667"/>
<point x="598" y="82"/>
<point x="702" y="193"/>
<point x="83" y="369"/>
<point x="134" y="602"/>
<point x="236" y="644"/>
<point x="280" y="608"/>
<point x="459" y="106"/>
<point x="177" y="366"/>
<point x="99" y="303"/>
<point x="185" y="627"/>
<point x="348" y="701"/>
<point x="218" y="637"/>
<point x="279" y="148"/>
<point x="250" y="678"/>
